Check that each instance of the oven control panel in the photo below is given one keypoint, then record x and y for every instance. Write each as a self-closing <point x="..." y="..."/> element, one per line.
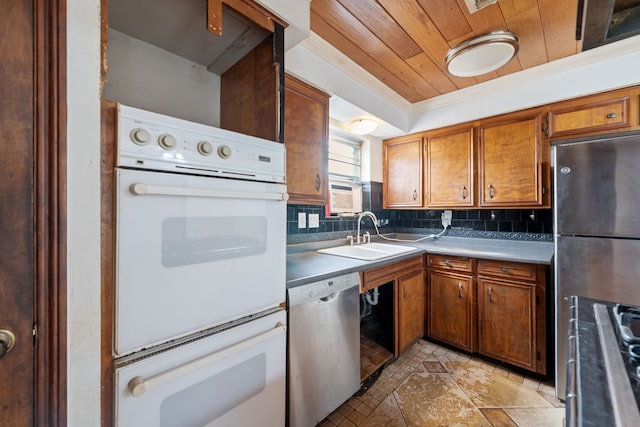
<point x="153" y="141"/>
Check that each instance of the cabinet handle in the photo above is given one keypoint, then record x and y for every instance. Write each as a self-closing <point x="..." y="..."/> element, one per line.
<point x="447" y="263"/>
<point x="318" y="182"/>
<point x="463" y="193"/>
<point x="492" y="192"/>
<point x="460" y="289"/>
<point x="611" y="116"/>
<point x="505" y="270"/>
<point x="490" y="294"/>
<point x="415" y="194"/>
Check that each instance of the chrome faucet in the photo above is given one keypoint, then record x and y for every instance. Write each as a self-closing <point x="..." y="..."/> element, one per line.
<point x="375" y="222"/>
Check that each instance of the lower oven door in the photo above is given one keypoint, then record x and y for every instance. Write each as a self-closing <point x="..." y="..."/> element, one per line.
<point x="233" y="378"/>
<point x="194" y="252"/>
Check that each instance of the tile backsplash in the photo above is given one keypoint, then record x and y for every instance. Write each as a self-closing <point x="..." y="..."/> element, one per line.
<point x="497" y="223"/>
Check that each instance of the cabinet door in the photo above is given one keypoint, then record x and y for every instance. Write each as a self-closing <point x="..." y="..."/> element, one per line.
<point x="402" y="170"/>
<point x="451" y="309"/>
<point x="510" y="161"/>
<point x="306" y="130"/>
<point x="507" y="321"/>
<point x="596" y="114"/>
<point x="411" y="303"/>
<point x="450" y="175"/>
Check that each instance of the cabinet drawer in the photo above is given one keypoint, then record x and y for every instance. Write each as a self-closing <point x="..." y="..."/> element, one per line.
<point x="591" y="117"/>
<point x="381" y="275"/>
<point x="444" y="262"/>
<point x="508" y="270"/>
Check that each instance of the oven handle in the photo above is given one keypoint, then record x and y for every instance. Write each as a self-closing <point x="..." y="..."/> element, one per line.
<point x="140" y="189"/>
<point x="138" y="385"/>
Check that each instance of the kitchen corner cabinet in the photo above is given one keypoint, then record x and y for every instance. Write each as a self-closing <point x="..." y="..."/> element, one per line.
<point x="449" y="177"/>
<point x="511" y="313"/>
<point x="513" y="165"/>
<point x="451" y="301"/>
<point x="306" y="137"/>
<point x="402" y="172"/>
<point x="503" y="317"/>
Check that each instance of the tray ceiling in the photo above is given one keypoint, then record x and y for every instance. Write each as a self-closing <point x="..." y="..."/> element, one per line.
<point x="403" y="43"/>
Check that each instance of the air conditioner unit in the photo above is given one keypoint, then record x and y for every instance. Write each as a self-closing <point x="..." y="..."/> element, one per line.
<point x="345" y="197"/>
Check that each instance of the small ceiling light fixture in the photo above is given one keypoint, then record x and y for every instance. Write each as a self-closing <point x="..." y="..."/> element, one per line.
<point x="482" y="54"/>
<point x="362" y="126"/>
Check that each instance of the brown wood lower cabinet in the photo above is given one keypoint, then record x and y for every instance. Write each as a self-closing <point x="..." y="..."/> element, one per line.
<point x="396" y="321"/>
<point x="505" y="318"/>
<point x="452" y="309"/>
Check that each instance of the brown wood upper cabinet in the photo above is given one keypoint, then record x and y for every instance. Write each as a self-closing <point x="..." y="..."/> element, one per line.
<point x="513" y="168"/>
<point x="590" y="115"/>
<point x="449" y="177"/>
<point x="402" y="172"/>
<point x="306" y="137"/>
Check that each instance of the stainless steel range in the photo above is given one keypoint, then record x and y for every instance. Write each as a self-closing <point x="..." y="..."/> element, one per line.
<point x="200" y="325"/>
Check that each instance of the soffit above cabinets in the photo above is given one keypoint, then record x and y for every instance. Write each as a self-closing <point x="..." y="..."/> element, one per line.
<point x="180" y="28"/>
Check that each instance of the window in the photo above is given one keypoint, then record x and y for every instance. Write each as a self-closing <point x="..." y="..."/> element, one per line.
<point x="344" y="160"/>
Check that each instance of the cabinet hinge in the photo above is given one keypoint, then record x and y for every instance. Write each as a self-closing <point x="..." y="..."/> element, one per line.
<point x="537" y="355"/>
<point x="545" y="124"/>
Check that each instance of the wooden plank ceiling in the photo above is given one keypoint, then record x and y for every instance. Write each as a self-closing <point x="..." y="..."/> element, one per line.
<point x="403" y="43"/>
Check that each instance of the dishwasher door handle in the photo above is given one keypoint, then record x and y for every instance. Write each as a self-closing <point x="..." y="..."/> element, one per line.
<point x="329" y="297"/>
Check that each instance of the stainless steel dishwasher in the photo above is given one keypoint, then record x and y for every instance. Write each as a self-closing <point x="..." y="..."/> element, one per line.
<point x="324" y="347"/>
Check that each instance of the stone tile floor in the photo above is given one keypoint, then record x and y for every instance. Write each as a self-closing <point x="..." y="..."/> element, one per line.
<point x="431" y="385"/>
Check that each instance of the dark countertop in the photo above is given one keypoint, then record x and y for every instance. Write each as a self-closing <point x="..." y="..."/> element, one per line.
<point x="305" y="265"/>
<point x="591" y="404"/>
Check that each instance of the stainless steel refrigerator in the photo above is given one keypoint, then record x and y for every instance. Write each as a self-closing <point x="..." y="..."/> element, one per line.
<point x="597" y="227"/>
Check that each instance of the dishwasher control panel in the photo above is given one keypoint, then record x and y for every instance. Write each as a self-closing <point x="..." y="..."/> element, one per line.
<point x="322" y="288"/>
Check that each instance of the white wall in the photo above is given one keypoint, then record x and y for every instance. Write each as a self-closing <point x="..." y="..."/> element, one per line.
<point x="83" y="223"/>
<point x="144" y="76"/>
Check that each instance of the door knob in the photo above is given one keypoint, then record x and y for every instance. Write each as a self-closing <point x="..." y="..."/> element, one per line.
<point x="7" y="339"/>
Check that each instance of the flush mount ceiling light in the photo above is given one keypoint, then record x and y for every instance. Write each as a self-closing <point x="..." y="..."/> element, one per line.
<point x="482" y="54"/>
<point x="362" y="126"/>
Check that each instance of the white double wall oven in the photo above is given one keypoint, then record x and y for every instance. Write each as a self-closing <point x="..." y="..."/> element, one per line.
<point x="200" y="325"/>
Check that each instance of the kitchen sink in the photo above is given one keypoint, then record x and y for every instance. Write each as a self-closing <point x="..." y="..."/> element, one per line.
<point x="368" y="251"/>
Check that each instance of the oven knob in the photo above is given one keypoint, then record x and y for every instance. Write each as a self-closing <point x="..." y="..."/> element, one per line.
<point x="224" y="151"/>
<point x="167" y="141"/>
<point x="205" y="148"/>
<point x="140" y="136"/>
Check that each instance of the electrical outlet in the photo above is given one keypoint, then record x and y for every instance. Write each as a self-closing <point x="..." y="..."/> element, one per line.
<point x="302" y="220"/>
<point x="314" y="220"/>
<point x="446" y="218"/>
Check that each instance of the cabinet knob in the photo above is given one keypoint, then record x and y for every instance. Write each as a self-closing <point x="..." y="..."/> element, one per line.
<point x="611" y="116"/>
<point x="505" y="270"/>
<point x="447" y="263"/>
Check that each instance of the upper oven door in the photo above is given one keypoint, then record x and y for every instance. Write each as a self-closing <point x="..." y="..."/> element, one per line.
<point x="194" y="252"/>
